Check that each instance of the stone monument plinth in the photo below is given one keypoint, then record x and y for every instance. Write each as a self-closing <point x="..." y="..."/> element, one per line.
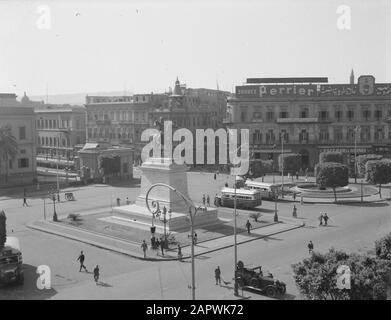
<point x="165" y="170"/>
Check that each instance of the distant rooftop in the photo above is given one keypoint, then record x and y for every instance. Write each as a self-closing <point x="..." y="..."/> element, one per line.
<point x="289" y="80"/>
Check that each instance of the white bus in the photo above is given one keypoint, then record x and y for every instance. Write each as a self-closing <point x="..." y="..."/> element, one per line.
<point x="245" y="198"/>
<point x="268" y="190"/>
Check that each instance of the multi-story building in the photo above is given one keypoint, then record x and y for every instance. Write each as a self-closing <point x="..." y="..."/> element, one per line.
<point x="21" y="169"/>
<point x="120" y="120"/>
<point x="60" y="128"/>
<point x="309" y="116"/>
<point x="192" y="108"/>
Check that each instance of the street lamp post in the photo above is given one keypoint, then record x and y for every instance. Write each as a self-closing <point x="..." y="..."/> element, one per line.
<point x="55" y="219"/>
<point x="356" y="129"/>
<point x="362" y="191"/>
<point x="192" y="213"/>
<point x="282" y="164"/>
<point x="236" y="289"/>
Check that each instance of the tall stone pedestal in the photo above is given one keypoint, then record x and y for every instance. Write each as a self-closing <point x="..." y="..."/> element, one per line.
<point x="164" y="170"/>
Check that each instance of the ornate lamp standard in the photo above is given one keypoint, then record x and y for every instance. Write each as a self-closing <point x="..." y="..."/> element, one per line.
<point x="53" y="195"/>
<point x="192" y="209"/>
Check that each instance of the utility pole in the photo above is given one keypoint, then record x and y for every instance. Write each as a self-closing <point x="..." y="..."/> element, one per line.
<point x="236" y="289"/>
<point x="282" y="164"/>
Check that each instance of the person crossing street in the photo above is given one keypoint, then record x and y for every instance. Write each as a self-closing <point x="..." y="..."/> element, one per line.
<point x="81" y="259"/>
<point x="218" y="276"/>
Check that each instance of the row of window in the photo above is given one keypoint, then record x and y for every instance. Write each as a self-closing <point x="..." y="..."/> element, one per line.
<point x="350" y="115"/>
<point x="360" y="134"/>
<point x="53" y="141"/>
<point x="23" y="163"/>
<point x="118" y="116"/>
<point x="55" y="124"/>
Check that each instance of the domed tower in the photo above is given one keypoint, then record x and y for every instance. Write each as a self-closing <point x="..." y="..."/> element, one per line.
<point x="176" y="100"/>
<point x="25" y="100"/>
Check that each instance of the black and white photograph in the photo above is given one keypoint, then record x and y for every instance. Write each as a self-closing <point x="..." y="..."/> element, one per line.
<point x="227" y="152"/>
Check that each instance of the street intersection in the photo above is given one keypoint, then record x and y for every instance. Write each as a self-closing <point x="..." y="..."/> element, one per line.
<point x="352" y="227"/>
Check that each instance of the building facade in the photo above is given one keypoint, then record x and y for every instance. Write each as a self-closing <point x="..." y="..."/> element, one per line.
<point x="21" y="169"/>
<point x="192" y="108"/>
<point x="308" y="116"/>
<point x="120" y="120"/>
<point x="59" y="129"/>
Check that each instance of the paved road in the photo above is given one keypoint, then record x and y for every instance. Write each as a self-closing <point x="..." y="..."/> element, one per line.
<point x="352" y="227"/>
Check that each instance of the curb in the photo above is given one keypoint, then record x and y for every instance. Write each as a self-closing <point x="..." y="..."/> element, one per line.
<point x="127" y="253"/>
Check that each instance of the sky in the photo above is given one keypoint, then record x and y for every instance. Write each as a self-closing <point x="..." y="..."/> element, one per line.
<point x="142" y="46"/>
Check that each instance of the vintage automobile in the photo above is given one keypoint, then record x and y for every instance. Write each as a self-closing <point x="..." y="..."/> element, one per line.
<point x="255" y="279"/>
<point x="11" y="263"/>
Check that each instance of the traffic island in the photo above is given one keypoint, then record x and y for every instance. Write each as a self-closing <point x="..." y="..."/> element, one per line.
<point x="117" y="234"/>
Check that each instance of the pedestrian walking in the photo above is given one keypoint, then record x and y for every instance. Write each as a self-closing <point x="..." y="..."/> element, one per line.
<point x="195" y="238"/>
<point x="226" y="185"/>
<point x="203" y="199"/>
<point x="81" y="259"/>
<point x="25" y="198"/>
<point x="179" y="252"/>
<point x="218" y="276"/>
<point x="215" y="176"/>
<point x="118" y="202"/>
<point x="294" y="213"/>
<point x="127" y="201"/>
<point x="294" y="196"/>
<point x="208" y="200"/>
<point x="301" y="200"/>
<point x="96" y="274"/>
<point x="162" y="245"/>
<point x="153" y="242"/>
<point x="144" y="246"/>
<point x="310" y="247"/>
<point x="157" y="245"/>
<point x="321" y="219"/>
<point x="297" y="175"/>
<point x="248" y="226"/>
<point x="325" y="218"/>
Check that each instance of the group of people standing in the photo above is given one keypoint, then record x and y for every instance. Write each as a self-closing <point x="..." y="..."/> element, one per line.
<point x="206" y="200"/>
<point x="323" y="218"/>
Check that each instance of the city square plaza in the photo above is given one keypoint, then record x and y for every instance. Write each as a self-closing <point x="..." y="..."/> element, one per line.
<point x="353" y="226"/>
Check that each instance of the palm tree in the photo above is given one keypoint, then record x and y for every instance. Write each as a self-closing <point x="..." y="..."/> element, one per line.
<point x="8" y="147"/>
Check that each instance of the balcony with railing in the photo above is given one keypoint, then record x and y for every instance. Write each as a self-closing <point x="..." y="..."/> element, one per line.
<point x="297" y="120"/>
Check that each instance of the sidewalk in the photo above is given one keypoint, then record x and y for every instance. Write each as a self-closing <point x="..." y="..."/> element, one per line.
<point x="133" y="249"/>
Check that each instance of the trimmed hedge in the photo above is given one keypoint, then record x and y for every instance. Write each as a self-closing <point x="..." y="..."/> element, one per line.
<point x="363" y="159"/>
<point x="292" y="162"/>
<point x="335" y="157"/>
<point x="332" y="175"/>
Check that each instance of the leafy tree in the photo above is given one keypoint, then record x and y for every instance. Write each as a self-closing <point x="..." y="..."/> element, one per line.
<point x="331" y="157"/>
<point x="317" y="276"/>
<point x="3" y="230"/>
<point x="361" y="160"/>
<point x="8" y="147"/>
<point x="378" y="172"/>
<point x="292" y="162"/>
<point x="383" y="247"/>
<point x="260" y="167"/>
<point x="332" y="175"/>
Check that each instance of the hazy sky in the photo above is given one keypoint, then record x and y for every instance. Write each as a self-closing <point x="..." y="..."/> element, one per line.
<point x="143" y="46"/>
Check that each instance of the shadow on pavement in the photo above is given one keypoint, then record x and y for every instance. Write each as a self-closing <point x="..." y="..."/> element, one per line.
<point x="365" y="204"/>
<point x="104" y="284"/>
<point x="27" y="291"/>
<point x="266" y="238"/>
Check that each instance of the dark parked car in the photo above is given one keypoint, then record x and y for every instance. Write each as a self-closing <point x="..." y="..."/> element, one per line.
<point x="254" y="278"/>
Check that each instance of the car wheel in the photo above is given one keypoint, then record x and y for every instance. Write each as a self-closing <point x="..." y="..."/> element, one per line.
<point x="271" y="292"/>
<point x="283" y="290"/>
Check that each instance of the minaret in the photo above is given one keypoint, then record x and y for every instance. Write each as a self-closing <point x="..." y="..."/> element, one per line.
<point x="352" y="77"/>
